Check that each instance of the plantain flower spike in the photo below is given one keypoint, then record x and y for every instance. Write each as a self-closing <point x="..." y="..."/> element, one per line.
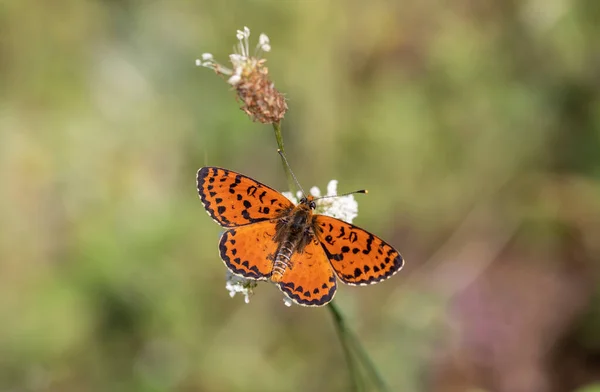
<point x="259" y="98"/>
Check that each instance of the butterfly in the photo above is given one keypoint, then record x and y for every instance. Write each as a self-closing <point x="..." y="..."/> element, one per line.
<point x="267" y="237"/>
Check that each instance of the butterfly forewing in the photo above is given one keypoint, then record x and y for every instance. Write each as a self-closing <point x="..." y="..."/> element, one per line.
<point x="233" y="199"/>
<point x="357" y="256"/>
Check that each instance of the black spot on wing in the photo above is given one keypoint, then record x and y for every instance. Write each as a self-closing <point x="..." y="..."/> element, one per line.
<point x="251" y="190"/>
<point x="357" y="272"/>
<point x="367" y="250"/>
<point x="353" y="237"/>
<point x="261" y="196"/>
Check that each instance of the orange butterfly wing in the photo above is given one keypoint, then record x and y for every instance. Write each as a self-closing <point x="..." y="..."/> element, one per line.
<point x="249" y="250"/>
<point x="233" y="199"/>
<point x="309" y="281"/>
<point x="357" y="256"/>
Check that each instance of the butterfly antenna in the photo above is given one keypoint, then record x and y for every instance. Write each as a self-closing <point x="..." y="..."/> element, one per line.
<point x="343" y="194"/>
<point x="291" y="172"/>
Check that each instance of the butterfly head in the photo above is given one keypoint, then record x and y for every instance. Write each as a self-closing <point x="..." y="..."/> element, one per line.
<point x="309" y="201"/>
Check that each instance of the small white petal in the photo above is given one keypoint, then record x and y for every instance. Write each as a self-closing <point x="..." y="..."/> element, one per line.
<point x="199" y="63"/>
<point x="263" y="39"/>
<point x="287" y="302"/>
<point x="246" y="31"/>
<point x="332" y="188"/>
<point x="316" y="192"/>
<point x="207" y="56"/>
<point x="266" y="47"/>
<point x="234" y="79"/>
<point x="235" y="284"/>
<point x="239" y="35"/>
<point x="236" y="59"/>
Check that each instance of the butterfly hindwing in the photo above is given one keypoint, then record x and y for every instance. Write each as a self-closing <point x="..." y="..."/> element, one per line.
<point x="249" y="250"/>
<point x="233" y="199"/>
<point x="357" y="256"/>
<point x="309" y="280"/>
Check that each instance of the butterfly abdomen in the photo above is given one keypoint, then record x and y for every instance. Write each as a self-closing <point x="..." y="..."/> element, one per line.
<point x="282" y="260"/>
<point x="293" y="233"/>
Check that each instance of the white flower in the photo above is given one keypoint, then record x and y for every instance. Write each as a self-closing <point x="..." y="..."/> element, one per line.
<point x="264" y="43"/>
<point x="291" y="197"/>
<point x="340" y="207"/>
<point x="241" y="59"/>
<point x="235" y="284"/>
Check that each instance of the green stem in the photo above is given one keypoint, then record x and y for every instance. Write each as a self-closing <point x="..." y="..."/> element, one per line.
<point x="347" y="336"/>
<point x="340" y="328"/>
<point x="288" y="174"/>
<point x="367" y="362"/>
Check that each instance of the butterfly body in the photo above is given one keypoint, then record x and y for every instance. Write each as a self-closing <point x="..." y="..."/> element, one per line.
<point x="303" y="253"/>
<point x="294" y="232"/>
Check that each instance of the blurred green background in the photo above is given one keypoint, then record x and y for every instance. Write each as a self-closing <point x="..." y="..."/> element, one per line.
<point x="475" y="125"/>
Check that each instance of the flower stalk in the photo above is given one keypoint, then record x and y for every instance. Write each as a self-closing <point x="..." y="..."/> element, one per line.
<point x="288" y="174"/>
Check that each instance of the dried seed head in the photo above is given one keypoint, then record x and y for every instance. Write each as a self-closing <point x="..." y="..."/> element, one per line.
<point x="258" y="95"/>
<point x="250" y="77"/>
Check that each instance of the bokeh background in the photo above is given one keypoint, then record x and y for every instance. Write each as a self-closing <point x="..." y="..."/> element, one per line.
<point x="475" y="125"/>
